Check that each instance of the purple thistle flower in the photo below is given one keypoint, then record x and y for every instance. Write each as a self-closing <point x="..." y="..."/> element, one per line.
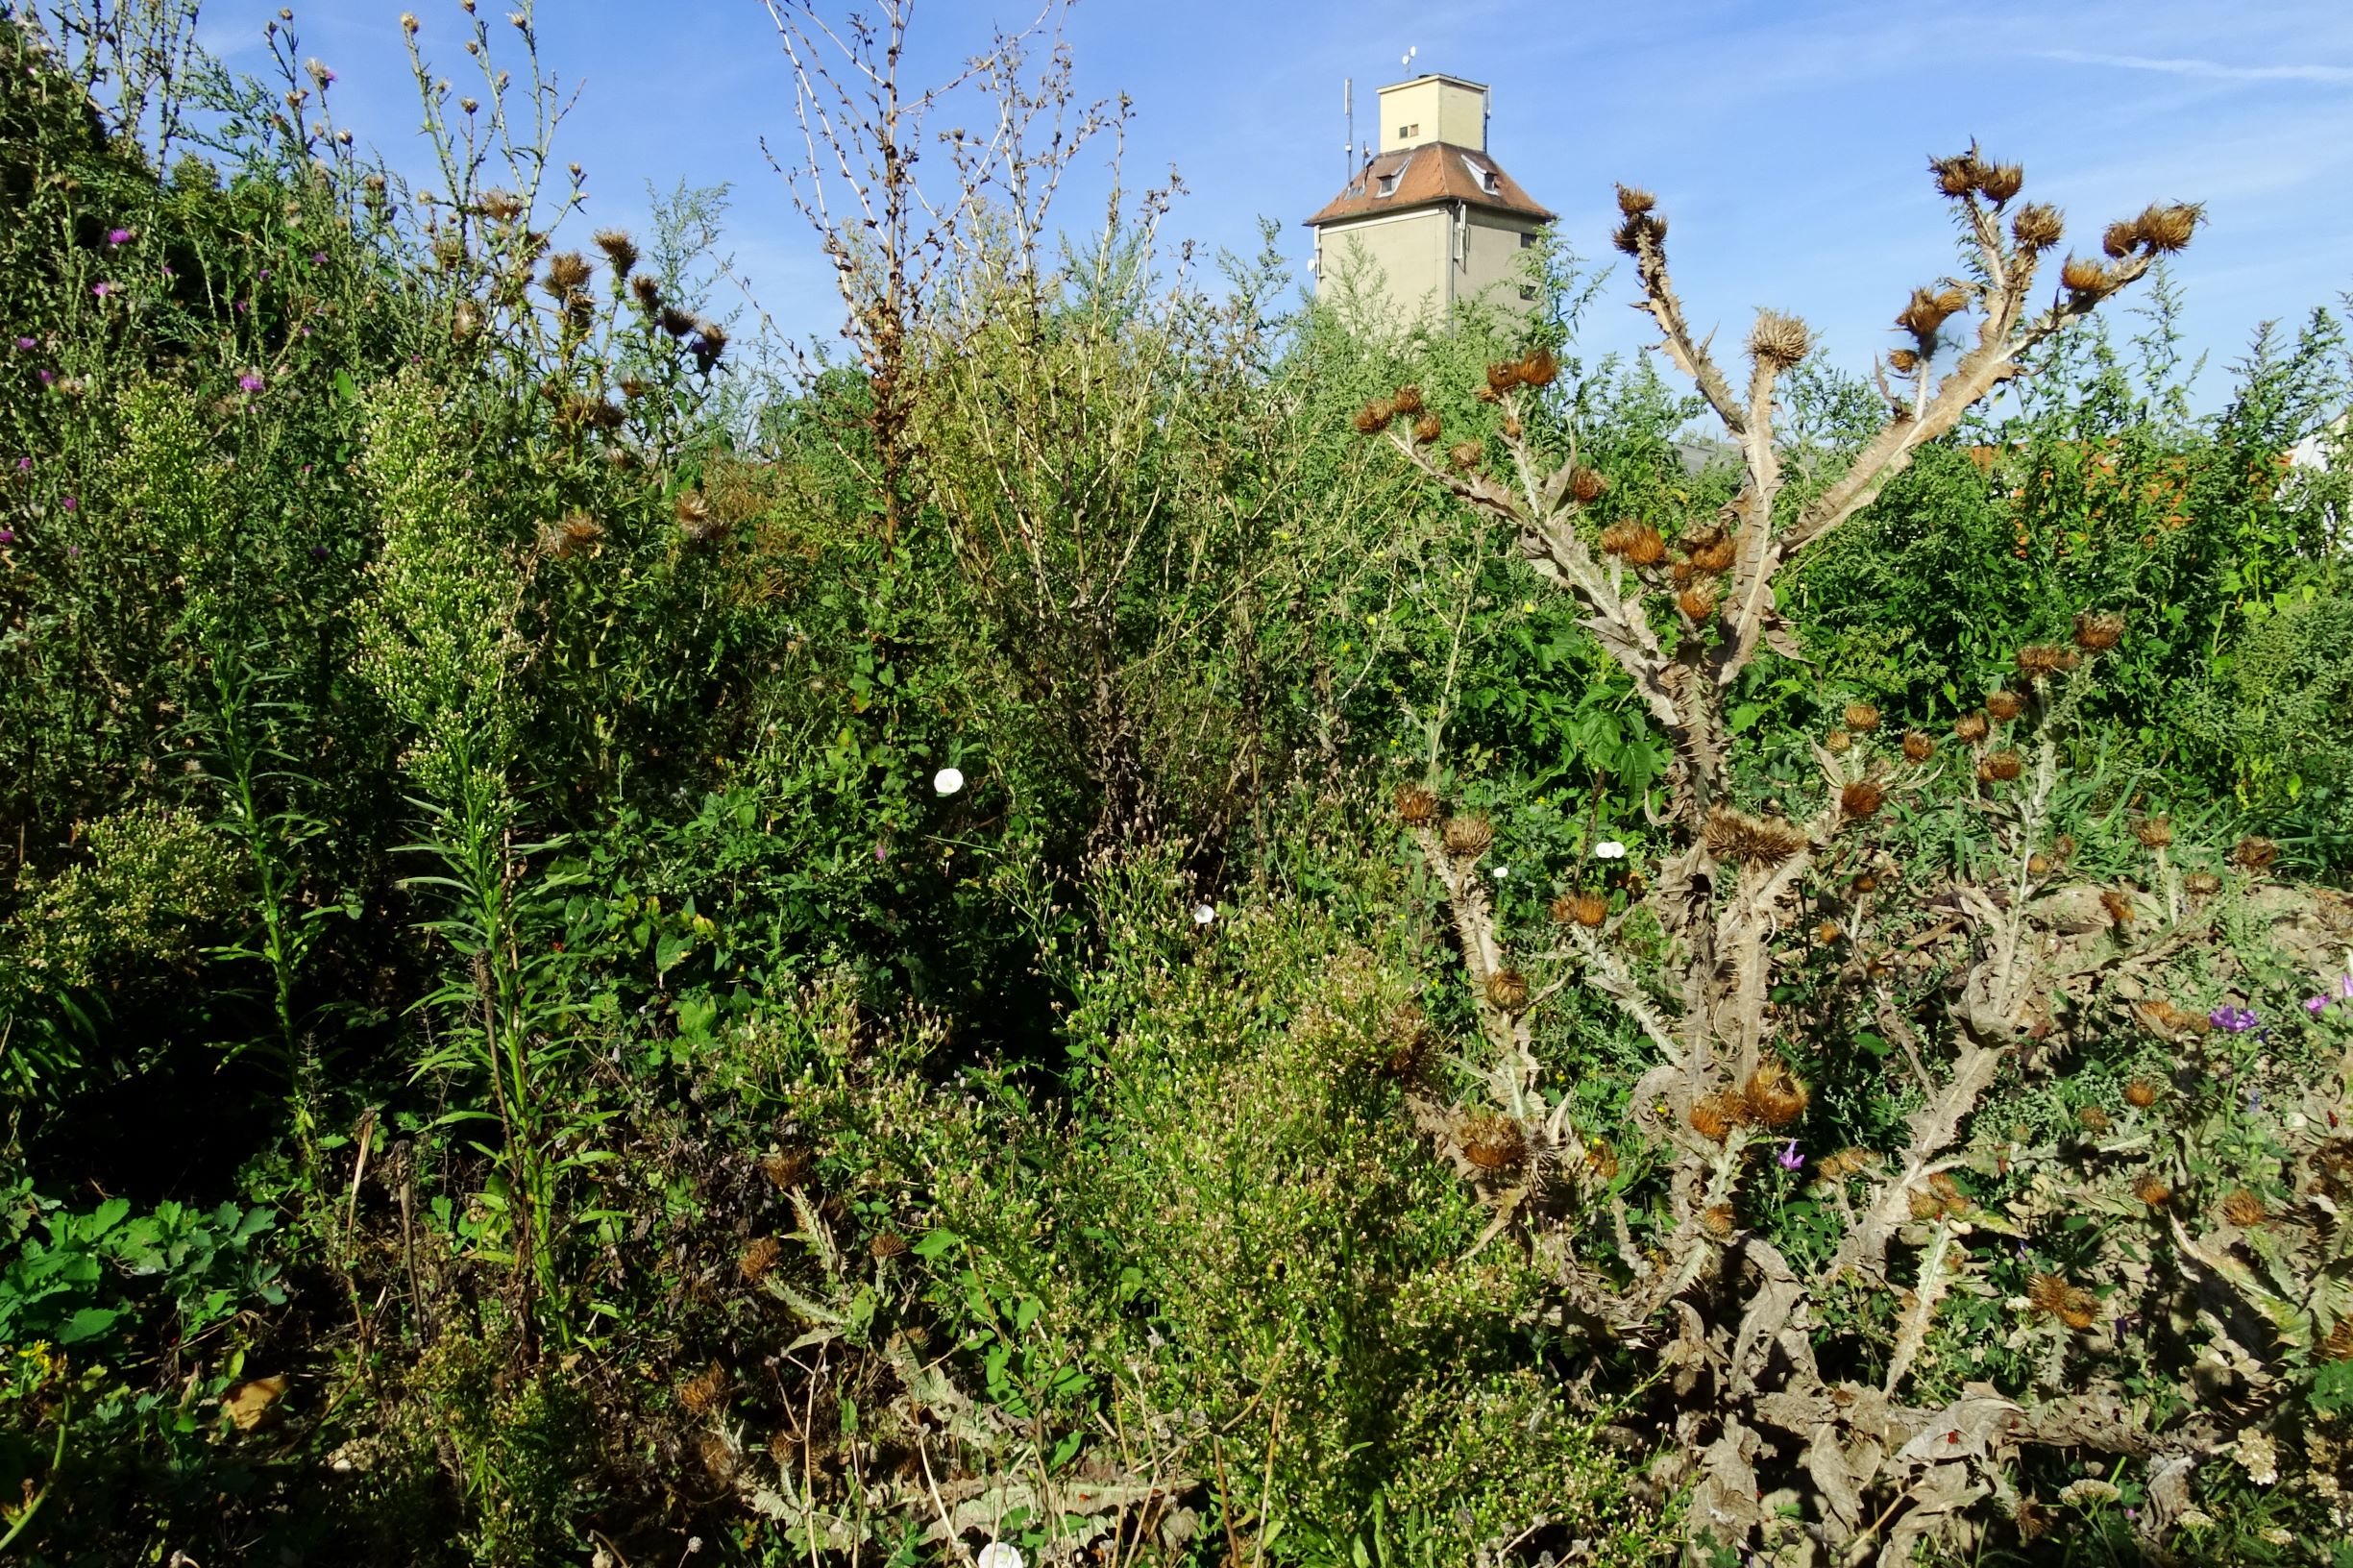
<point x="103" y="289"/>
<point x="70" y="504"/>
<point x="8" y="536"/>
<point x="48" y="377"/>
<point x="318" y="258"/>
<point x="1789" y="1159"/>
<point x="24" y="465"/>
<point x="28" y="343"/>
<point x="118" y="237"/>
<point x="2236" y="1020"/>
<point x="73" y="552"/>
<point x="249" y="382"/>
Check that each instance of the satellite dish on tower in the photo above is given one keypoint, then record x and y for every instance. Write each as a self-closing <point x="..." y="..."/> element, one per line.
<point x="1407" y="60"/>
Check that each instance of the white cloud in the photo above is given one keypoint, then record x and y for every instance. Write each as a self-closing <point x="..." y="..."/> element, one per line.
<point x="2211" y="70"/>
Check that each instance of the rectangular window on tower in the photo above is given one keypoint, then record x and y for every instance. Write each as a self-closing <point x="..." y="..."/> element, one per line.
<point x="1404" y="131"/>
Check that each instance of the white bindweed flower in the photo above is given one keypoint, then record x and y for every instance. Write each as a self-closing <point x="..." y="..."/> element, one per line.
<point x="1609" y="849"/>
<point x="1501" y="872"/>
<point x="1203" y="914"/>
<point x="1000" y="1555"/>
<point x="947" y="780"/>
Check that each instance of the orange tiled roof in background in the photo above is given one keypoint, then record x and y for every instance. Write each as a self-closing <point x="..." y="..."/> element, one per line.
<point x="1432" y="173"/>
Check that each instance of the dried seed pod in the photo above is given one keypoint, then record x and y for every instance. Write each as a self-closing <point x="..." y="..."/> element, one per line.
<point x="1416" y="806"/>
<point x="1716" y="555"/>
<point x="1407" y="402"/>
<point x="2003" y="766"/>
<point x="2141" y="1094"/>
<point x="1468" y="836"/>
<point x="2168" y="229"/>
<point x="1538" y="368"/>
<point x="1863" y="717"/>
<point x="1587" y="909"/>
<point x="2002" y="707"/>
<point x="2121" y="238"/>
<point x="1426" y="430"/>
<point x="2096" y="631"/>
<point x="2255" y="854"/>
<point x="1917" y="746"/>
<point x="2152" y="1192"/>
<point x="1508" y="988"/>
<point x="888" y="1244"/>
<point x="1827" y="933"/>
<point x="2084" y="277"/>
<point x="1493" y="1143"/>
<point x="2118" y="906"/>
<point x="2244" y="1210"/>
<point x="2000" y="182"/>
<point x="1632" y="201"/>
<point x="1374" y="417"/>
<point x="1861" y="798"/>
<point x="1465" y="454"/>
<point x="2079" y="1310"/>
<point x="619" y="249"/>
<point x="1585" y="485"/>
<point x="1970" y="728"/>
<point x="2154" y="832"/>
<point x="1777" y="340"/>
<point x="2040" y="661"/>
<point x="1504" y="375"/>
<point x="2037" y="227"/>
<point x="2093" y="1119"/>
<point x="1772" y="1096"/>
<point x="1761" y="842"/>
<point x="1697" y="605"/>
<point x="2201" y="884"/>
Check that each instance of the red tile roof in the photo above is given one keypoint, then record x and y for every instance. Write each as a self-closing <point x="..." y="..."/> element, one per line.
<point x="1427" y="175"/>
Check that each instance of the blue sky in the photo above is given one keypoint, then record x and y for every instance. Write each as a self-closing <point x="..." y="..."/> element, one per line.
<point x="1786" y="140"/>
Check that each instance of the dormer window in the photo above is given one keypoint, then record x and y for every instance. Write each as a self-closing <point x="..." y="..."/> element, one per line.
<point x="1487" y="181"/>
<point x="1388" y="185"/>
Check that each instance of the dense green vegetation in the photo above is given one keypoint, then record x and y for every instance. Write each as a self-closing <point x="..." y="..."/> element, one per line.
<point x="608" y="947"/>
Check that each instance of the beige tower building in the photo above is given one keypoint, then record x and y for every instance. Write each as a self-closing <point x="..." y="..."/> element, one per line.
<point x="1433" y="219"/>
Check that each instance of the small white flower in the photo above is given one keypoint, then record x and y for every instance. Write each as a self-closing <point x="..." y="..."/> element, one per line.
<point x="2298" y="1121"/>
<point x="2087" y="1491"/>
<point x="2259" y="1457"/>
<point x="1203" y="914"/>
<point x="1001" y="1555"/>
<point x="1609" y="849"/>
<point x="947" y="780"/>
<point x="2278" y="1537"/>
<point x="2195" y="1519"/>
<point x="1501" y="872"/>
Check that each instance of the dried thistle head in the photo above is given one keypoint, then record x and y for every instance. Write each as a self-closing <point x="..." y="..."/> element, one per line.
<point x="1927" y="310"/>
<point x="648" y="292"/>
<point x="1468" y="837"/>
<point x="2141" y="1094"/>
<point x="1504" y="375"/>
<point x="2046" y="1291"/>
<point x="1406" y="401"/>
<point x="1590" y="909"/>
<point x="465" y="321"/>
<point x="2149" y="1189"/>
<point x="1715" y="554"/>
<point x="1633" y="201"/>
<point x="1862" y="717"/>
<point x="2201" y="884"/>
<point x="1697" y="605"/>
<point x="1640" y="230"/>
<point x="705" y="1392"/>
<point x="1717" y="1222"/>
<point x="1409" y="1039"/>
<point x="2038" y="864"/>
<point x="1998" y="182"/>
<point x="2037" y="226"/>
<point x="759" y="1257"/>
<point x="1465" y="454"/>
<point x="2168" y="229"/>
<point x="1917" y="746"/>
<point x="886" y="1244"/>
<point x="2121" y="238"/>
<point x="2244" y="1210"/>
<point x="1601" y="1160"/>
<point x="499" y="205"/>
<point x="1970" y="728"/>
<point x="1538" y="368"/>
<point x="1638" y="544"/>
<point x="1714" y="1118"/>
<point x="2079" y="1310"/>
<point x="568" y="271"/>
<point x="1508" y="988"/>
<point x="2093" y="1119"/>
<point x="2040" y="661"/>
<point x="787" y="1169"/>
<point x="2118" y="906"/>
<point x="1861" y="798"/>
<point x="1585" y="485"/>
<point x="2253" y="853"/>
<point x="1772" y="1094"/>
<point x="693" y="511"/>
<point x="2083" y="276"/>
<point x="1494" y="1143"/>
<point x="675" y="322"/>
<point x="2002" y="707"/>
<point x="567" y="538"/>
<point x="619" y="249"/>
<point x="2097" y="632"/>
<point x="1838" y="743"/>
<point x="1902" y="361"/>
<point x="1761" y="842"/>
<point x="1777" y="340"/>
<point x="1416" y="806"/>
<point x="1374" y="417"/>
<point x="1958" y="175"/>
<point x="1426" y="430"/>
<point x="2001" y="766"/>
<point x="2154" y="832"/>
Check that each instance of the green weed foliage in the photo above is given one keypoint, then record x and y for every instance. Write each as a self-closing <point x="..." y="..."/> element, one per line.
<point x="625" y="945"/>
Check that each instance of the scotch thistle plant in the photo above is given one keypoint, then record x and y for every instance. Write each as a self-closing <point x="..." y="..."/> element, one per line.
<point x="1776" y="1385"/>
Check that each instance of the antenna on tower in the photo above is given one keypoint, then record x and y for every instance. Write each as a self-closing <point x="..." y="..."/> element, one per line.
<point x="1348" y="112"/>
<point x="1407" y="60"/>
